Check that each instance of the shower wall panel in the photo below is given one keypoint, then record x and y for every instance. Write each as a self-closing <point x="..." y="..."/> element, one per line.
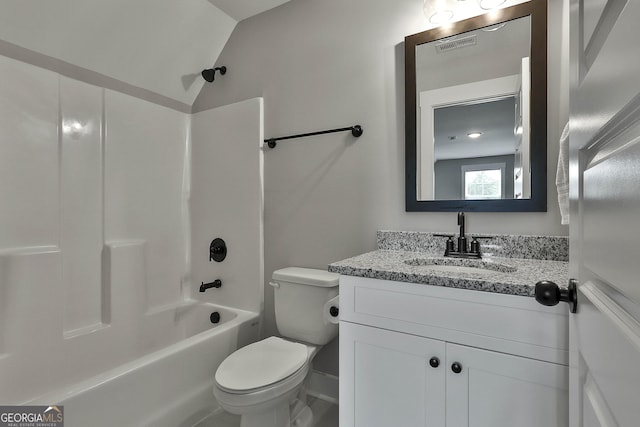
<point x="93" y="233"/>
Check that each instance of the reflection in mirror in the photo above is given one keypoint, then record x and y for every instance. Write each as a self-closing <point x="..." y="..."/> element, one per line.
<point x="474" y="150"/>
<point x="476" y="126"/>
<point x="474" y="136"/>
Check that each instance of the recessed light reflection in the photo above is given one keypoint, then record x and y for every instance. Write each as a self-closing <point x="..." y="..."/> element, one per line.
<point x="474" y="135"/>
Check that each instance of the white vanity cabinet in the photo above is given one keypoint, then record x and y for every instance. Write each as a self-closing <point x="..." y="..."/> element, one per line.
<point x="386" y="379"/>
<point x="420" y="355"/>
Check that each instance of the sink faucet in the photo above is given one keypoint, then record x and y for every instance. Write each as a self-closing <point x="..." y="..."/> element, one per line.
<point x="463" y="250"/>
<point x="462" y="239"/>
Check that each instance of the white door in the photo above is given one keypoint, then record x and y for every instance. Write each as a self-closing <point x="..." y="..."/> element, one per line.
<point x="394" y="378"/>
<point x="605" y="212"/>
<point x="491" y="389"/>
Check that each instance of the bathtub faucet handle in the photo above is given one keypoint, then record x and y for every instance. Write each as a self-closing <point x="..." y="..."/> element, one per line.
<point x="215" y="284"/>
<point x="217" y="250"/>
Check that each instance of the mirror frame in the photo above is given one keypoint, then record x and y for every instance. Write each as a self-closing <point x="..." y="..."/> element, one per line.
<point x="537" y="10"/>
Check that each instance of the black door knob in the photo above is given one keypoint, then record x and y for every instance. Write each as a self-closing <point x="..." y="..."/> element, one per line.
<point x="456" y="367"/>
<point x="549" y="294"/>
<point x="434" y="362"/>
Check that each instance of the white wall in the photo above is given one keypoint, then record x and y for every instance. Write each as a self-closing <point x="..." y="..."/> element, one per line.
<point x="331" y="63"/>
<point x="227" y="202"/>
<point x="157" y="45"/>
<point x="92" y="240"/>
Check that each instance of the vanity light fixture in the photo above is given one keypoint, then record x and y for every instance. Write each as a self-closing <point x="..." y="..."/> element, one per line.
<point x="439" y="11"/>
<point x="474" y="135"/>
<point x="490" y="4"/>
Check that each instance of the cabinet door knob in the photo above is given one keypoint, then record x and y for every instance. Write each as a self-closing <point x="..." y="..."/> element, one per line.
<point x="456" y="367"/>
<point x="434" y="362"/>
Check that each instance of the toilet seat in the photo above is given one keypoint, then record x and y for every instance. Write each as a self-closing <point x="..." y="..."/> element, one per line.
<point x="261" y="365"/>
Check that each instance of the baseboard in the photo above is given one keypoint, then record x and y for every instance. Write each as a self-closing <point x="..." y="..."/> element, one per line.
<point x="323" y="386"/>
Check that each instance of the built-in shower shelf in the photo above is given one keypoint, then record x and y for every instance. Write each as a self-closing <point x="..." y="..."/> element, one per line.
<point x="89" y="329"/>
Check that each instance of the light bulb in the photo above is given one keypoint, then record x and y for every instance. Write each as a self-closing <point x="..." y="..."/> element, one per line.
<point x="439" y="11"/>
<point x="490" y="4"/>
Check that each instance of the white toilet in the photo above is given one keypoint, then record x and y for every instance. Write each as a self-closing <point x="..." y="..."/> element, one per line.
<point x="261" y="381"/>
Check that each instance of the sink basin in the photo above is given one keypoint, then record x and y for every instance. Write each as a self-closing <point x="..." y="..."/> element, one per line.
<point x="461" y="265"/>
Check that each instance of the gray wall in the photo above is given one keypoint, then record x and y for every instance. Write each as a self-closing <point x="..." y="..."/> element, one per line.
<point x="333" y="63"/>
<point x="448" y="175"/>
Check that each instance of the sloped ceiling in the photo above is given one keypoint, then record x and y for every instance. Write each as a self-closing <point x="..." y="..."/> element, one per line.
<point x="157" y="45"/>
<point x="242" y="9"/>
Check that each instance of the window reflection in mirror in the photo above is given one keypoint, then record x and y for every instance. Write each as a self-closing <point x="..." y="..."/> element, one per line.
<point x="473" y="114"/>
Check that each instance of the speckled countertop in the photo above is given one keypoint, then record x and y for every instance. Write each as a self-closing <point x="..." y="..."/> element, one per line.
<point x="497" y="275"/>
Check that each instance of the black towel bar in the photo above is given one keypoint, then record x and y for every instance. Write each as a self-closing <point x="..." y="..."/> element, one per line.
<point x="355" y="131"/>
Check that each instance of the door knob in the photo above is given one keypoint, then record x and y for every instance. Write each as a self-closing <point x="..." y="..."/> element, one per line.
<point x="456" y="367"/>
<point x="548" y="293"/>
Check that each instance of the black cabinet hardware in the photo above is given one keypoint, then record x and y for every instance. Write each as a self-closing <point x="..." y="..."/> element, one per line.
<point x="434" y="362"/>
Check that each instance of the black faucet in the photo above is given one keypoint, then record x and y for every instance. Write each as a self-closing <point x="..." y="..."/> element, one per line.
<point x="463" y="250"/>
<point x="462" y="239"/>
<point x="215" y="284"/>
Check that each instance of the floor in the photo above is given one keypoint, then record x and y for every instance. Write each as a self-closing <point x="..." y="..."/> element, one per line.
<point x="325" y="414"/>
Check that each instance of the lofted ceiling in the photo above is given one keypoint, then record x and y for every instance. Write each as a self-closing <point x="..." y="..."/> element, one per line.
<point x="157" y="45"/>
<point x="243" y="9"/>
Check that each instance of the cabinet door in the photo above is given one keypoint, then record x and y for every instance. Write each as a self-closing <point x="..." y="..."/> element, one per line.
<point x="496" y="389"/>
<point x="386" y="378"/>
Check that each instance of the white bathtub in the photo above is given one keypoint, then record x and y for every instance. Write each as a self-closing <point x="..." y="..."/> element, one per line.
<point x="164" y="388"/>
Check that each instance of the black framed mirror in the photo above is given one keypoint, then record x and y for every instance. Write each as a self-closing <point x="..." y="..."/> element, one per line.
<point x="476" y="113"/>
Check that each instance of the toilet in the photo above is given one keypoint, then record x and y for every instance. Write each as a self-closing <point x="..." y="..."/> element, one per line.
<point x="262" y="381"/>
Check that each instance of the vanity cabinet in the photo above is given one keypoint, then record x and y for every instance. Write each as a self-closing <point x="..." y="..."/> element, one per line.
<point x="496" y="389"/>
<point x="419" y="355"/>
<point x="390" y="380"/>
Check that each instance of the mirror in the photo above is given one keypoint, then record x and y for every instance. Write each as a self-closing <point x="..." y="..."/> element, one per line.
<point x="476" y="113"/>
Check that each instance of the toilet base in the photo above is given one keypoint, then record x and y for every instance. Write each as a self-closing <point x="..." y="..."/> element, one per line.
<point x="275" y="417"/>
<point x="296" y="414"/>
<point x="301" y="415"/>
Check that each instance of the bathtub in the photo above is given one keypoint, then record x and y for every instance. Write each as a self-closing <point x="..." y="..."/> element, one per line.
<point x="167" y="387"/>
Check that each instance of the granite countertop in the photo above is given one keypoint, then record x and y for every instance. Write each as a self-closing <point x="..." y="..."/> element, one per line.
<point x="390" y="265"/>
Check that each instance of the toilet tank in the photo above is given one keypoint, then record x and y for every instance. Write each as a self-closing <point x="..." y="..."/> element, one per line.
<point x="299" y="297"/>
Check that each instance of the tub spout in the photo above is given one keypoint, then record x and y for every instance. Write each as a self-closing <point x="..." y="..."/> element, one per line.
<point x="215" y="284"/>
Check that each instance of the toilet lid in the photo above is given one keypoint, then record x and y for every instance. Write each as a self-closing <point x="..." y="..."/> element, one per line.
<point x="261" y="364"/>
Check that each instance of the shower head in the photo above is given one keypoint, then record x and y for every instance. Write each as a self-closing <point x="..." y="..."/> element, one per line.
<point x="210" y="73"/>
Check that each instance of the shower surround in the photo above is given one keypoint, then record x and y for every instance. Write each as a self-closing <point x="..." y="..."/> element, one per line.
<point x="101" y="216"/>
